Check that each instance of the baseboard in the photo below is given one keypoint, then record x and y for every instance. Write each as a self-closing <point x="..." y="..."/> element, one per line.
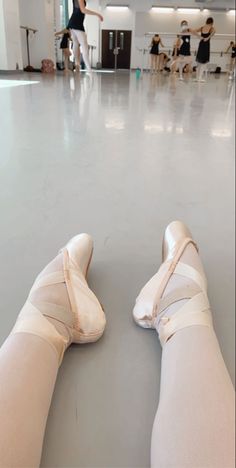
<point x="11" y="72"/>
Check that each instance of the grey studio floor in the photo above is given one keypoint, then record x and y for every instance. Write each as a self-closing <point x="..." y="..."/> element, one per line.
<point x="117" y="158"/>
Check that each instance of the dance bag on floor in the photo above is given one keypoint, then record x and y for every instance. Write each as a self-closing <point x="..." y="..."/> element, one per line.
<point x="47" y="66"/>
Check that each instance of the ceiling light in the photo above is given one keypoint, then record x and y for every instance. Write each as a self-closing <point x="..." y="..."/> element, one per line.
<point x="188" y="11"/>
<point x="231" y="12"/>
<point x="117" y="7"/>
<point x="162" y="9"/>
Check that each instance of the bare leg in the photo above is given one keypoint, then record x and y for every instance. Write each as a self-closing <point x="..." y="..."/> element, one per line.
<point x="181" y="67"/>
<point x="66" y="53"/>
<point x="152" y="63"/>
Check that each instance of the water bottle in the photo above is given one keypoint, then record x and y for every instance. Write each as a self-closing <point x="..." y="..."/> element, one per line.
<point x="138" y="73"/>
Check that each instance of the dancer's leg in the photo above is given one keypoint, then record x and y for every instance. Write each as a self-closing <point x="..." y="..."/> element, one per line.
<point x="194" y="425"/>
<point x="28" y="371"/>
<point x="202" y="70"/>
<point x="152" y="58"/>
<point x="181" y="67"/>
<point x="66" y="53"/>
<point x="76" y="48"/>
<point x="30" y="357"/>
<point x="82" y="39"/>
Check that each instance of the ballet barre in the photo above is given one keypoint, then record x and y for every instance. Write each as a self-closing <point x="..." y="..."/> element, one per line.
<point x="179" y="33"/>
<point x="27" y="29"/>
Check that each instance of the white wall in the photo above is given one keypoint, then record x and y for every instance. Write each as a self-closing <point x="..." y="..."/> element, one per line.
<point x="3" y="50"/>
<point x="38" y="14"/>
<point x="10" y="50"/>
<point x="92" y="26"/>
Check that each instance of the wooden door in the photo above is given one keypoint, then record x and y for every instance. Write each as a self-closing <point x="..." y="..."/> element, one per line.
<point x="116" y="49"/>
<point x="124" y="39"/>
<point x="108" y="47"/>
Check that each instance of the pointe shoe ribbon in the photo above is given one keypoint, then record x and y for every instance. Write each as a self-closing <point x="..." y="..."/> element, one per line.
<point x="85" y="322"/>
<point x="149" y="310"/>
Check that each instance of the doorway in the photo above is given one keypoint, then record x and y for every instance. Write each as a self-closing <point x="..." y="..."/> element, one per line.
<point x="116" y="49"/>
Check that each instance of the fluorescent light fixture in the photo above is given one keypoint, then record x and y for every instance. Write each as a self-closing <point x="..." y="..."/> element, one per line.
<point x="118" y="7"/>
<point x="205" y="10"/>
<point x="162" y="9"/>
<point x="231" y="12"/>
<point x="188" y="11"/>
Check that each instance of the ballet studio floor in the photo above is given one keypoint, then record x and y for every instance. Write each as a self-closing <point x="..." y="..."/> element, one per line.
<point x="117" y="158"/>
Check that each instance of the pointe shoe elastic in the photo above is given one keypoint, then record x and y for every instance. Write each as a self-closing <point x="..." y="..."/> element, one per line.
<point x="150" y="304"/>
<point x="85" y="322"/>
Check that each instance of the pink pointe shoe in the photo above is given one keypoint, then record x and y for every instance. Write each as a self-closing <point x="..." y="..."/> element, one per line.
<point x="150" y="308"/>
<point x="84" y="321"/>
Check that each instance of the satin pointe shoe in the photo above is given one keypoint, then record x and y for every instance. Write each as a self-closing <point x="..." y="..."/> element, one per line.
<point x="152" y="302"/>
<point x="84" y="321"/>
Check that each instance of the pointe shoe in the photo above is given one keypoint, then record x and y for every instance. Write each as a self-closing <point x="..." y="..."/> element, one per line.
<point x="85" y="321"/>
<point x="149" y="310"/>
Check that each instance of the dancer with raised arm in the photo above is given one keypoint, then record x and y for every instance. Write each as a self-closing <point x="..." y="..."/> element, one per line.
<point x="79" y="37"/>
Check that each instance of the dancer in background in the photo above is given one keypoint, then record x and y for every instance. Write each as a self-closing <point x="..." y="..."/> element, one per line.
<point x="79" y="37"/>
<point x="175" y="53"/>
<point x="185" y="57"/>
<point x="232" y="47"/>
<point x="163" y="61"/>
<point x="65" y="46"/>
<point x="154" y="52"/>
<point x="203" y="54"/>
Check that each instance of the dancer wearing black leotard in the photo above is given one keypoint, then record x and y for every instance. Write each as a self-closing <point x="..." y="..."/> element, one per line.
<point x="154" y="52"/>
<point x="65" y="46"/>
<point x="232" y="48"/>
<point x="184" y="57"/>
<point x="203" y="53"/>
<point x="76" y="26"/>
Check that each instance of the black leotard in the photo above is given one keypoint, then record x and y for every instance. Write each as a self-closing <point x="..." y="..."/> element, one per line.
<point x="233" y="54"/>
<point x="77" y="18"/>
<point x="185" y="46"/>
<point x="203" y="53"/>
<point x="65" y="41"/>
<point x="155" y="48"/>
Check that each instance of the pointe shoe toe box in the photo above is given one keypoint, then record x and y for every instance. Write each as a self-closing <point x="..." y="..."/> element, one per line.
<point x="92" y="319"/>
<point x="80" y="250"/>
<point x="143" y="314"/>
<point x="174" y="235"/>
